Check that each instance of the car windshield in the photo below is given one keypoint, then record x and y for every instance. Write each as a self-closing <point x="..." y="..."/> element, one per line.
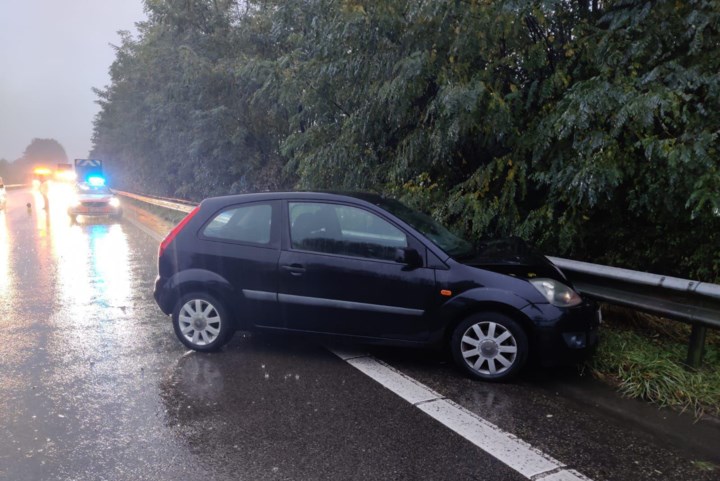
<point x="92" y="189"/>
<point x="437" y="233"/>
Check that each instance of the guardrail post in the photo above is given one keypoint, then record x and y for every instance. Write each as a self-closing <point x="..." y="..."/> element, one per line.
<point x="697" y="346"/>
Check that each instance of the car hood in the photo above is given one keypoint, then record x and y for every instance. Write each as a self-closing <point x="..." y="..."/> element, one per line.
<point x="512" y="256"/>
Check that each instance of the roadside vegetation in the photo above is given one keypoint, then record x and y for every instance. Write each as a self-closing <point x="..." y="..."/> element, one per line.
<point x="589" y="128"/>
<point x="643" y="357"/>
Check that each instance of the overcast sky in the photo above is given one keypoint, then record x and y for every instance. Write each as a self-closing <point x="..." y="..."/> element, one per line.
<point x="52" y="53"/>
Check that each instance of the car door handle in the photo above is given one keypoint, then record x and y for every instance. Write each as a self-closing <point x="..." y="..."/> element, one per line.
<point x="294" y="269"/>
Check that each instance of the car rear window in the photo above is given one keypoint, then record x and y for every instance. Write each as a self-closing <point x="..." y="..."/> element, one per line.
<point x="247" y="223"/>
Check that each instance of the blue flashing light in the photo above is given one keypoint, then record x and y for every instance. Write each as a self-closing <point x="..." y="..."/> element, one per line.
<point x="96" y="181"/>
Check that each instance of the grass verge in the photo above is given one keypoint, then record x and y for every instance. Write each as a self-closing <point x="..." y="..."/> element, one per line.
<point x="643" y="357"/>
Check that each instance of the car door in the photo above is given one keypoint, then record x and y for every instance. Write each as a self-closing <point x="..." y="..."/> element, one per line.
<point x="339" y="274"/>
<point x="242" y="244"/>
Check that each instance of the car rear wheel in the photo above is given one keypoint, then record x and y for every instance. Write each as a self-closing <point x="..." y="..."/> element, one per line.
<point x="489" y="346"/>
<point x="201" y="322"/>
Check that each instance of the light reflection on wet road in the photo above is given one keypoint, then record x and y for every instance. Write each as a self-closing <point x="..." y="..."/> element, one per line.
<point x="95" y="386"/>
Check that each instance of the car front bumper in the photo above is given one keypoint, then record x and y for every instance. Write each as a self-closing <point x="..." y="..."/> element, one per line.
<point x="564" y="335"/>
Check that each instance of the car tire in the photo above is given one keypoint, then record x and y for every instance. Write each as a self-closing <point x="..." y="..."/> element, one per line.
<point x="489" y="346"/>
<point x="201" y="322"/>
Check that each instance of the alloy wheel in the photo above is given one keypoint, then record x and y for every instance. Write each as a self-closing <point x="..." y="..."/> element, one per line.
<point x="199" y="322"/>
<point x="489" y="348"/>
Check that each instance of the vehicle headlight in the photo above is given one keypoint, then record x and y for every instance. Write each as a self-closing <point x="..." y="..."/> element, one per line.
<point x="115" y="202"/>
<point x="556" y="293"/>
<point x="74" y="202"/>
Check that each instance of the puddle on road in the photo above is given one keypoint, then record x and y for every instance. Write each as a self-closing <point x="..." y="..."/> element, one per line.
<point x="249" y="370"/>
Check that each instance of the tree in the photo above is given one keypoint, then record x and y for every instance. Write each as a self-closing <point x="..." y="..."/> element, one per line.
<point x="40" y="152"/>
<point x="47" y="151"/>
<point x="628" y="154"/>
<point x="182" y="104"/>
<point x="587" y="127"/>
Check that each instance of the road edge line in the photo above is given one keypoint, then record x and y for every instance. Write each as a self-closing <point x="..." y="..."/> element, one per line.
<point x="503" y="446"/>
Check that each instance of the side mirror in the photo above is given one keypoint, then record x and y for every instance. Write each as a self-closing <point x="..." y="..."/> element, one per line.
<point x="409" y="256"/>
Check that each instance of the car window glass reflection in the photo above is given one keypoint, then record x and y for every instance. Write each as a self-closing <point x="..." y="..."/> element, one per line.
<point x="242" y="224"/>
<point x="344" y="230"/>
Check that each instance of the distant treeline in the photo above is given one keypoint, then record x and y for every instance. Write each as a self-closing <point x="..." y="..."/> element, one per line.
<point x="589" y="127"/>
<point x="39" y="153"/>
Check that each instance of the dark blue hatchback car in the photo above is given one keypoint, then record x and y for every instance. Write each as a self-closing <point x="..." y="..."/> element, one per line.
<point x="369" y="268"/>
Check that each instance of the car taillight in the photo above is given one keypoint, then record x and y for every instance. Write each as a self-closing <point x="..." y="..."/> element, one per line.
<point x="176" y="230"/>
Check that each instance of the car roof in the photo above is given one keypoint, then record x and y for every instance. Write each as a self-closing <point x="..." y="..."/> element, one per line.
<point x="363" y="197"/>
<point x="372" y="201"/>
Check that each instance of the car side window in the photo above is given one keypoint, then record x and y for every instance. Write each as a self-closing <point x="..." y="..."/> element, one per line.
<point x="343" y="230"/>
<point x="248" y="223"/>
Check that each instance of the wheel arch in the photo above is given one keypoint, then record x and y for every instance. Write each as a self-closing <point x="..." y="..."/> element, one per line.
<point x="488" y="306"/>
<point x="482" y="299"/>
<point x="208" y="282"/>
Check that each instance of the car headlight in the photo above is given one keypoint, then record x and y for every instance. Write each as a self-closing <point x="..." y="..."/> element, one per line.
<point x="115" y="202"/>
<point x="74" y="202"/>
<point x="556" y="293"/>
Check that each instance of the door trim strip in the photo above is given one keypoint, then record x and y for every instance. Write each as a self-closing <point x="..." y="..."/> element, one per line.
<point x="338" y="304"/>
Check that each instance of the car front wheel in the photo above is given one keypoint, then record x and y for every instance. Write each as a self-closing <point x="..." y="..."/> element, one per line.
<point x="489" y="346"/>
<point x="201" y="322"/>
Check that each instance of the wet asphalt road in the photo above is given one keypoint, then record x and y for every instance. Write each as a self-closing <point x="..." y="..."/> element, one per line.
<point x="95" y="386"/>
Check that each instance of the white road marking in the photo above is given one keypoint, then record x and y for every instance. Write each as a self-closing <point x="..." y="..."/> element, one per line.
<point x="564" y="475"/>
<point x="512" y="451"/>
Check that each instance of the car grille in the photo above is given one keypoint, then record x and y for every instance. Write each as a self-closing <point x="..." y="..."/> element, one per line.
<point x="94" y="204"/>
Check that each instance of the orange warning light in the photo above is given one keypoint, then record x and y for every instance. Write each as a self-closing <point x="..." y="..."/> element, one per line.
<point x="445" y="293"/>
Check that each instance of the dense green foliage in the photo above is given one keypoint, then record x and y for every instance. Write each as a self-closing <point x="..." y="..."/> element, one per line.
<point x="588" y="127"/>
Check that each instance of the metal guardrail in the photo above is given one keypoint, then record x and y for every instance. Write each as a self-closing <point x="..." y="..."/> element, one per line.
<point x="681" y="299"/>
<point x="172" y="204"/>
<point x="693" y="302"/>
